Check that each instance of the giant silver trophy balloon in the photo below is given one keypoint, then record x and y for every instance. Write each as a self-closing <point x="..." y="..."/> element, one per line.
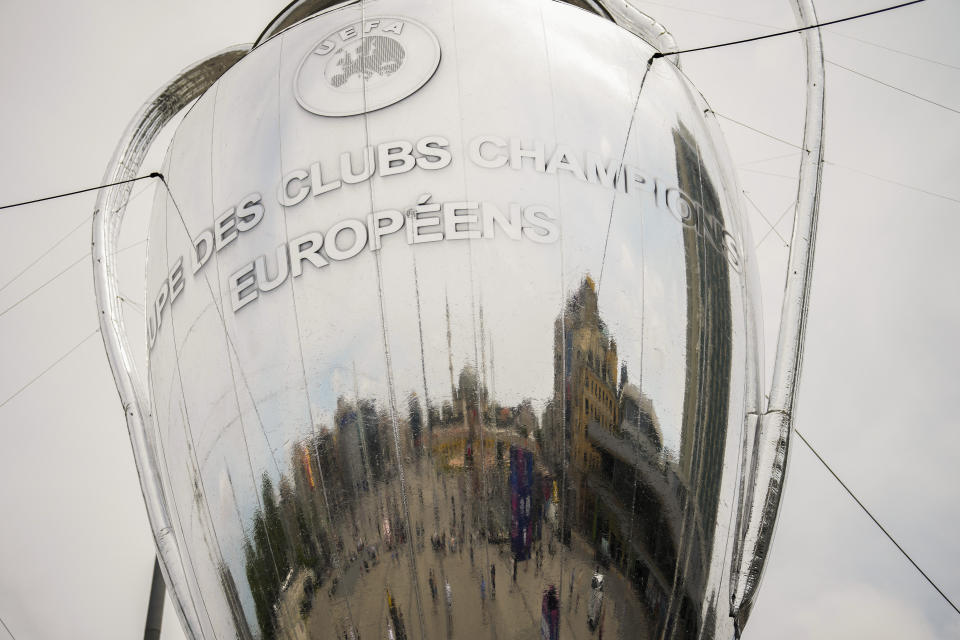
<point x="453" y="326"/>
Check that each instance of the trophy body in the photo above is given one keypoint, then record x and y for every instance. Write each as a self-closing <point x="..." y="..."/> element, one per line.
<point x="452" y="333"/>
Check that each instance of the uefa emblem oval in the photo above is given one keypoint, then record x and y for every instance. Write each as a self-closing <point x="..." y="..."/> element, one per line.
<point x="365" y="66"/>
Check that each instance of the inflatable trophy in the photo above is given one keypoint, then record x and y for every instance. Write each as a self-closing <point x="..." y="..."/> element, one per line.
<point x="453" y="331"/>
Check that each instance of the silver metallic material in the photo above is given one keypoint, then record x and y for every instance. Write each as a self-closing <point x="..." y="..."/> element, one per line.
<point x="766" y="450"/>
<point x="442" y="290"/>
<point x="107" y="221"/>
<point x="631" y="18"/>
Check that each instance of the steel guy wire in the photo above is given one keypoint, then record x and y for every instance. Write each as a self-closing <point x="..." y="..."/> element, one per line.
<point x="890" y="86"/>
<point x="831" y="163"/>
<point x="894" y="182"/>
<point x="51" y="366"/>
<point x="767" y="234"/>
<point x="832" y="32"/>
<point x="46" y="253"/>
<point x="770" y="173"/>
<point x="60" y="241"/>
<point x="770" y="159"/>
<point x="44" y="284"/>
<point x="755" y="130"/>
<point x="818" y="25"/>
<point x="875" y="521"/>
<point x="78" y="191"/>
<point x="60" y="273"/>
<point x="765" y="219"/>
<point x="7" y="629"/>
<point x="903" y="53"/>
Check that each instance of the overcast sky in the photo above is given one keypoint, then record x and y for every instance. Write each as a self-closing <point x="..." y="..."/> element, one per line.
<point x="880" y="379"/>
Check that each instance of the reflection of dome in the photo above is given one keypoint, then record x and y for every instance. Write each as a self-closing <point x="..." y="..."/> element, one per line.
<point x="372" y="55"/>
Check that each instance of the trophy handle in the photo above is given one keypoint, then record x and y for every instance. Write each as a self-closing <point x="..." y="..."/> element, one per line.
<point x="107" y="221"/>
<point x="643" y="26"/>
<point x="767" y="437"/>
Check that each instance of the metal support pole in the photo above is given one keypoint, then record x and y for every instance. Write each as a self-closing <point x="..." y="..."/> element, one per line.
<point x="158" y="592"/>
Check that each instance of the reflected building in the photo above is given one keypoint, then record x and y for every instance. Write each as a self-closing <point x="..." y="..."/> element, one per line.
<point x="648" y="512"/>
<point x="360" y="462"/>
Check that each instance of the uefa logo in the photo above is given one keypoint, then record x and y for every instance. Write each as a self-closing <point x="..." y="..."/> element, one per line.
<point x="365" y="66"/>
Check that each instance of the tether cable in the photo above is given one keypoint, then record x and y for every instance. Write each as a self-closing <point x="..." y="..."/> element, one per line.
<point x="831" y="163"/>
<point x="755" y="130"/>
<point x="875" y="521"/>
<point x="660" y="54"/>
<point x="60" y="241"/>
<point x="890" y="86"/>
<point x="45" y="253"/>
<point x="51" y="366"/>
<point x="60" y="273"/>
<point x="767" y="220"/>
<point x="892" y="50"/>
<point x="7" y="629"/>
<point x="889" y="181"/>
<point x="832" y="32"/>
<point x="45" y="283"/>
<point x="78" y="191"/>
<point x="767" y="234"/>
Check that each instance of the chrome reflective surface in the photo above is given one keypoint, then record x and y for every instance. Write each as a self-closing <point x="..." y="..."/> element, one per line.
<point x="108" y="218"/>
<point x="767" y="446"/>
<point x="623" y="12"/>
<point x="478" y="361"/>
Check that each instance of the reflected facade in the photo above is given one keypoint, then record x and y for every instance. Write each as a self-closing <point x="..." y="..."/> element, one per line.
<point x="451" y="339"/>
